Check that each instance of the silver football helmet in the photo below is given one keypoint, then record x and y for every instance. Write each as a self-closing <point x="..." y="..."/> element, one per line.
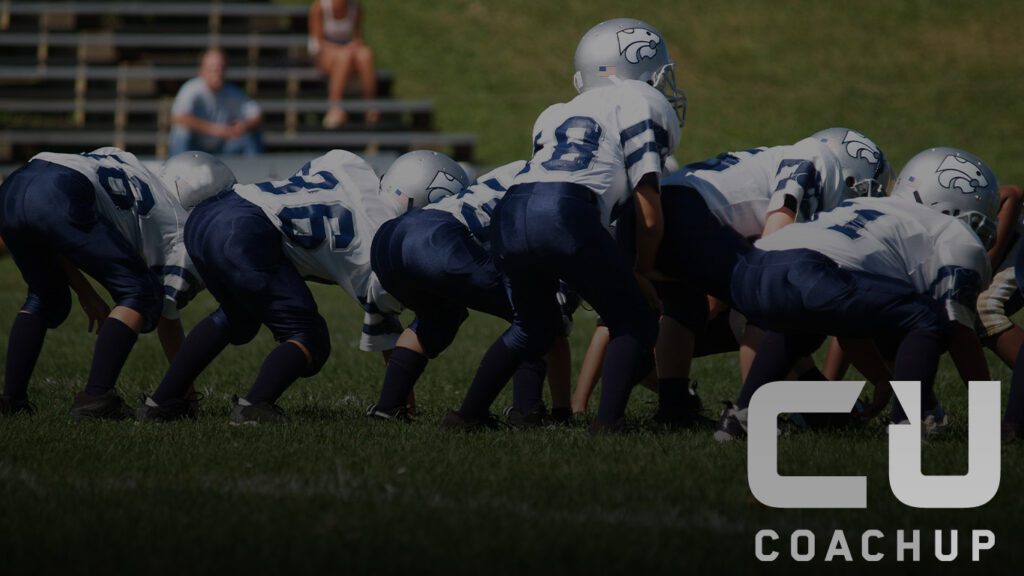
<point x="628" y="49"/>
<point x="865" y="169"/>
<point x="422" y="177"/>
<point x="956" y="183"/>
<point x="195" y="176"/>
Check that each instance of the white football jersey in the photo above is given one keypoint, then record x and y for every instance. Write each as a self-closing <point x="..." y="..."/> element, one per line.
<point x="475" y="204"/>
<point x="328" y="213"/>
<point x="606" y="139"/>
<point x="938" y="254"/>
<point x="741" y="188"/>
<point x="146" y="214"/>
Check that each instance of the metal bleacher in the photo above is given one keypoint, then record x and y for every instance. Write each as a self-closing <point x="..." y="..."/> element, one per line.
<point x="78" y="75"/>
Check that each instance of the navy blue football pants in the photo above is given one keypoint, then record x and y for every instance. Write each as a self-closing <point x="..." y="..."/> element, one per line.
<point x="430" y="262"/>
<point x="48" y="211"/>
<point x="239" y="254"/>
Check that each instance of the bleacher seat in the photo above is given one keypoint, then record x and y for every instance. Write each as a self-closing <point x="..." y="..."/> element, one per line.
<point x="81" y="74"/>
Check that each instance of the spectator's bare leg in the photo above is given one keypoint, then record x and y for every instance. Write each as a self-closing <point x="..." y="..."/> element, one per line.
<point x="339" y="64"/>
<point x="367" y="78"/>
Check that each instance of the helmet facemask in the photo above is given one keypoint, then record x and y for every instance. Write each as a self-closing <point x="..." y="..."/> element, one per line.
<point x="982" y="226"/>
<point x="665" y="81"/>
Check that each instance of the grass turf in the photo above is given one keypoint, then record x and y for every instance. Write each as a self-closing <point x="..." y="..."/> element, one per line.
<point x="333" y="493"/>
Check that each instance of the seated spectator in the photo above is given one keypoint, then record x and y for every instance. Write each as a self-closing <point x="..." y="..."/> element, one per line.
<point x="336" y="44"/>
<point x="214" y="116"/>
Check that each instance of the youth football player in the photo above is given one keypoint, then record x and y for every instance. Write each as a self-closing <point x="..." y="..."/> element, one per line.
<point x="590" y="156"/>
<point x="102" y="213"/>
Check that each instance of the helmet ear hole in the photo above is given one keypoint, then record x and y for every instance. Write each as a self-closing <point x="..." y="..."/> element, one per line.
<point x="850" y="181"/>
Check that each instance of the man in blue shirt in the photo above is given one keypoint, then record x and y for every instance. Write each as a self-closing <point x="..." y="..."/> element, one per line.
<point x="214" y="116"/>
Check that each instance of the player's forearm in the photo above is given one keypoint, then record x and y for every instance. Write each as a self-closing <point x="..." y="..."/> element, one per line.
<point x="76" y="280"/>
<point x="777" y="220"/>
<point x="650" y="226"/>
<point x="967" y="354"/>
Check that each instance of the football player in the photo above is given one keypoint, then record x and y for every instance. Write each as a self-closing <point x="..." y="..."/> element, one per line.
<point x="755" y="192"/>
<point x="256" y="245"/>
<point x="590" y="155"/>
<point x="436" y="262"/>
<point x="102" y="213"/>
<point x="905" y="269"/>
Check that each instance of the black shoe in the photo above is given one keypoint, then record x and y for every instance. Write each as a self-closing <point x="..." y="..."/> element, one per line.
<point x="107" y="406"/>
<point x="12" y="406"/>
<point x="169" y="411"/>
<point x="194" y="401"/>
<point x="732" y="424"/>
<point x="455" y="421"/>
<point x="537" y="418"/>
<point x="562" y="416"/>
<point x="689" y="415"/>
<point x="400" y="414"/>
<point x="244" y="413"/>
<point x="1010" y="432"/>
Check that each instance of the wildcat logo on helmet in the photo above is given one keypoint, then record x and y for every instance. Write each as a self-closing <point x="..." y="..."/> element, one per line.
<point x="858" y="146"/>
<point x="635" y="44"/>
<point x="443" y="184"/>
<point x="955" y="172"/>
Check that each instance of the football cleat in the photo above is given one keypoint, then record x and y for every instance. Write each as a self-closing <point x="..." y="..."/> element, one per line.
<point x="400" y="414"/>
<point x="244" y="413"/>
<point x="455" y="421"/>
<point x="934" y="421"/>
<point x="688" y="416"/>
<point x="538" y="418"/>
<point x="11" y="406"/>
<point x="732" y="424"/>
<point x="107" y="406"/>
<point x="169" y="411"/>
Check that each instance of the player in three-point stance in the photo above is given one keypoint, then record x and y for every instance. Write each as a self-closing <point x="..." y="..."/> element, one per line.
<point x="590" y="155"/>
<point x="255" y="246"/>
<point x="102" y="213"/>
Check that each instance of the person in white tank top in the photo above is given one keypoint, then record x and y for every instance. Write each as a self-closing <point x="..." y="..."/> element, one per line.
<point x="336" y="46"/>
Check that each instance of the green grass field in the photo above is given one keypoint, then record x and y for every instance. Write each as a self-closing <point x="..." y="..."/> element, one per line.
<point x="333" y="493"/>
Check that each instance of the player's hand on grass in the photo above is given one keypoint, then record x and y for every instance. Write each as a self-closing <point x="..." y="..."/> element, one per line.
<point x="96" y="310"/>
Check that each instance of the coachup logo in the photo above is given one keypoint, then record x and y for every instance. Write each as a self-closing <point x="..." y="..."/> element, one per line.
<point x="908" y="484"/>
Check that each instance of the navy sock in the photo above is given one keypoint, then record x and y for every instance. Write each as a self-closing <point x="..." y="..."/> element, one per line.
<point x="772" y="362"/>
<point x="673" y="393"/>
<point x="917" y="359"/>
<point x="114" y="343"/>
<point x="283" y="366"/>
<point x="404" y="368"/>
<point x="203" y="343"/>
<point x="1015" y="403"/>
<point x="496" y="367"/>
<point x="528" y="386"/>
<point x="625" y="362"/>
<point x="23" y="347"/>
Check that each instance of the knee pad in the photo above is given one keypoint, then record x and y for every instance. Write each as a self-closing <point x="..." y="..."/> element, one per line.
<point x="437" y="334"/>
<point x="317" y="340"/>
<point x="642" y="325"/>
<point x="53" y="308"/>
<point x="240" y="331"/>
<point x="535" y="341"/>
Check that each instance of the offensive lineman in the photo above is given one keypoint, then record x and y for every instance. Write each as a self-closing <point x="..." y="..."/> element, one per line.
<point x="755" y="192"/>
<point x="590" y="155"/>
<point x="255" y="245"/>
<point x="907" y="267"/>
<point x="105" y="214"/>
